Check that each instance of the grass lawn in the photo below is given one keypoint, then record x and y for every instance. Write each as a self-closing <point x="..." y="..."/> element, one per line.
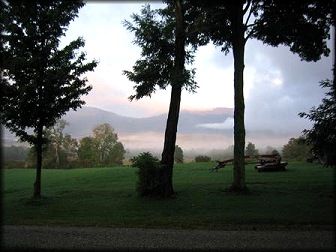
<point x="303" y="197"/>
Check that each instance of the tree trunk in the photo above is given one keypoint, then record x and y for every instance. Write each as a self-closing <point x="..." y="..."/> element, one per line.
<point x="238" y="47"/>
<point x="334" y="67"/>
<point x="57" y="153"/>
<point x="170" y="140"/>
<point x="167" y="159"/>
<point x="39" y="143"/>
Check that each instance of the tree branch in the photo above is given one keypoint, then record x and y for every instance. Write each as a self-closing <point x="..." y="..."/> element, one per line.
<point x="247" y="6"/>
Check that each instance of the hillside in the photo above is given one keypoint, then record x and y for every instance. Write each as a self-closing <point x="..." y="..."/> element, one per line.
<point x="147" y="132"/>
<point x="191" y="122"/>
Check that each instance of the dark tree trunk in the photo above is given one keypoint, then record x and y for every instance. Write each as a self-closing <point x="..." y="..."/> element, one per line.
<point x="334" y="67"/>
<point x="170" y="140"/>
<point x="38" y="145"/>
<point x="238" y="46"/>
<point x="167" y="159"/>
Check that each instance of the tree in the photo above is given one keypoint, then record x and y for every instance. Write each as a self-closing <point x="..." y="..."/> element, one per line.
<point x="162" y="36"/>
<point x="301" y="25"/>
<point x="322" y="136"/>
<point x="43" y="81"/>
<point x="57" y="138"/>
<point x="107" y="140"/>
<point x="60" y="149"/>
<point x="178" y="154"/>
<point x="103" y="148"/>
<point x="87" y="151"/>
<point x="251" y="150"/>
<point x="296" y="149"/>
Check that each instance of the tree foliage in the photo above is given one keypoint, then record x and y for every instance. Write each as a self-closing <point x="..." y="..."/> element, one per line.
<point x="103" y="148"/>
<point x="322" y="136"/>
<point x="150" y="175"/>
<point x="155" y="33"/>
<point x="178" y="154"/>
<point x="296" y="150"/>
<point x="42" y="81"/>
<point x="251" y="150"/>
<point x="59" y="151"/>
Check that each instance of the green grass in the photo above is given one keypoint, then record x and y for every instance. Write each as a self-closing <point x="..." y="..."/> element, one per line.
<point x="302" y="197"/>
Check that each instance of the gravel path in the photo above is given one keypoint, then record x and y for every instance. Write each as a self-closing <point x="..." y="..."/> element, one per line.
<point x="90" y="238"/>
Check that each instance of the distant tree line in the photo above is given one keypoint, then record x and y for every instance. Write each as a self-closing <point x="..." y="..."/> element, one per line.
<point x="62" y="151"/>
<point x="104" y="149"/>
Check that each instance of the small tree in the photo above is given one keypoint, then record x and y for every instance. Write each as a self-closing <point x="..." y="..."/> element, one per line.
<point x="107" y="145"/>
<point x="178" y="154"/>
<point x="103" y="148"/>
<point x="57" y="138"/>
<point x="42" y="81"/>
<point x="251" y="150"/>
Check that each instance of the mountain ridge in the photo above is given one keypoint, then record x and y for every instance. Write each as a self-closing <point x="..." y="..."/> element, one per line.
<point x="83" y="120"/>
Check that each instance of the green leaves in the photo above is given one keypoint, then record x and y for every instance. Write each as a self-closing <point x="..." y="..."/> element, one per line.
<point x="303" y="26"/>
<point x="322" y="136"/>
<point x="42" y="82"/>
<point x="103" y="148"/>
<point x="155" y="33"/>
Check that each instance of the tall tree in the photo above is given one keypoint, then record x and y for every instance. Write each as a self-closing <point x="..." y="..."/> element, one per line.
<point x="44" y="81"/>
<point x="301" y="25"/>
<point x="162" y="36"/>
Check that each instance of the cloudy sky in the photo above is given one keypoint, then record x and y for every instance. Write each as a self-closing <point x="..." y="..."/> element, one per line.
<point x="278" y="85"/>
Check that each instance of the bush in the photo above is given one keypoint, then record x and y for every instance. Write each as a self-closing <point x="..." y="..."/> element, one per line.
<point x="202" y="158"/>
<point x="149" y="174"/>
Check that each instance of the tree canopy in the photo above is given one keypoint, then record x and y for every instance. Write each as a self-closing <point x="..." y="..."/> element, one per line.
<point x="155" y="33"/>
<point x="322" y="136"/>
<point x="103" y="148"/>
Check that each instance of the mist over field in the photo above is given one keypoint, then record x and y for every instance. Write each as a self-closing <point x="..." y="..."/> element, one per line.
<point x="208" y="132"/>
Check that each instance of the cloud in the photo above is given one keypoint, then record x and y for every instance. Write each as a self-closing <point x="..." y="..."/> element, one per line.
<point x="227" y="124"/>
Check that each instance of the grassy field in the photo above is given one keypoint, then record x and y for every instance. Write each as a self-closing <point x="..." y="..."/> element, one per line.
<point x="303" y="197"/>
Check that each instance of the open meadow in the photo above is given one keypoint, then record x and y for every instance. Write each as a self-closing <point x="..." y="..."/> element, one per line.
<point x="300" y="198"/>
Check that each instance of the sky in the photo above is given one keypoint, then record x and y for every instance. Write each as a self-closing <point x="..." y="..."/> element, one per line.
<point x="277" y="84"/>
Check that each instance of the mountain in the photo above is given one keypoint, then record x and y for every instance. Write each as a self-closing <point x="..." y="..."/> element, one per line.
<point x="82" y="121"/>
<point x="206" y="129"/>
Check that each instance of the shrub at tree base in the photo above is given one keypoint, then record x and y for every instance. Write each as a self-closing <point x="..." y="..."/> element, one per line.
<point x="149" y="174"/>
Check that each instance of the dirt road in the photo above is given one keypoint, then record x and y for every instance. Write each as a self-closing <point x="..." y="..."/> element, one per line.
<point x="90" y="238"/>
